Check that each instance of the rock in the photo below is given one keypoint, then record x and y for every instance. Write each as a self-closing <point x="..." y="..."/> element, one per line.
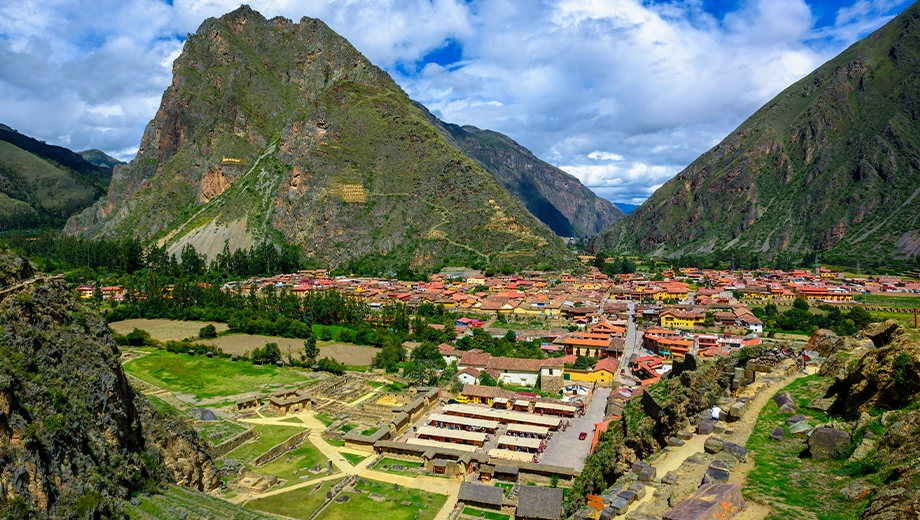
<point x="800" y="427"/>
<point x="628" y="495"/>
<point x="684" y="435"/>
<point x="736" y="410"/>
<point x="647" y="474"/>
<point x="735" y="449"/>
<point x="718" y="428"/>
<point x="713" y="445"/>
<point x="709" y="502"/>
<point x="821" y="403"/>
<point x="674" y="441"/>
<point x="638" y="466"/>
<point x="882" y="334"/>
<point x="716" y="472"/>
<point x="727" y="458"/>
<point x="856" y="490"/>
<point x="786" y="409"/>
<point x="864" y="420"/>
<point x="825" y="443"/>
<point x="863" y="450"/>
<point x="778" y="433"/>
<point x="638" y="489"/>
<point x="783" y="398"/>
<point x="671" y="477"/>
<point x="705" y="426"/>
<point x="795" y="419"/>
<point x="619" y="504"/>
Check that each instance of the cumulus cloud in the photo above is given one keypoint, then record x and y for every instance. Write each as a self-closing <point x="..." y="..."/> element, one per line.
<point x="623" y="94"/>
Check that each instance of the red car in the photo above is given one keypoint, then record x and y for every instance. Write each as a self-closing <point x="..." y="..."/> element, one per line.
<point x="582" y="436"/>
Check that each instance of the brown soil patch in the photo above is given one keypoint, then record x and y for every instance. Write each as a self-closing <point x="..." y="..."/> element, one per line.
<point x="165" y="330"/>
<point x="239" y="344"/>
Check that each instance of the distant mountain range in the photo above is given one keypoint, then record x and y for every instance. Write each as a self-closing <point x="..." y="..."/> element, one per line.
<point x="41" y="185"/>
<point x="831" y="165"/>
<point x="279" y="131"/>
<point x="626" y="208"/>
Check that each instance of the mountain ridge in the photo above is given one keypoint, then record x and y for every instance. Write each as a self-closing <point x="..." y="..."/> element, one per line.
<point x="830" y="164"/>
<point x="278" y="131"/>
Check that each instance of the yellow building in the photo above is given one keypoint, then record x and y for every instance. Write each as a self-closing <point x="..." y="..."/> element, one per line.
<point x="678" y="319"/>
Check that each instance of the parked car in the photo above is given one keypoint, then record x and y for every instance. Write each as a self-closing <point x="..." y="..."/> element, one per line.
<point x="582" y="436"/>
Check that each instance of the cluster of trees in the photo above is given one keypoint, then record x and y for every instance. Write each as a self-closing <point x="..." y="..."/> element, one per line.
<point x="56" y="251"/>
<point x="508" y="345"/>
<point x="799" y="318"/>
<point x="621" y="265"/>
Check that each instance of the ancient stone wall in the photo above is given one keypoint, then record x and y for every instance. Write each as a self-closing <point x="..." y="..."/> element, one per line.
<point x="276" y="451"/>
<point x="234" y="442"/>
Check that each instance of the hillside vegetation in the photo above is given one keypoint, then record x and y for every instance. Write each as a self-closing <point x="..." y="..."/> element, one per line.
<point x="279" y="131"/>
<point x="831" y="164"/>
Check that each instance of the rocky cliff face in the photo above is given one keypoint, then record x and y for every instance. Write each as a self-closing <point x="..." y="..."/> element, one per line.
<point x="273" y="130"/>
<point x="830" y="164"/>
<point x="75" y="439"/>
<point x="558" y="199"/>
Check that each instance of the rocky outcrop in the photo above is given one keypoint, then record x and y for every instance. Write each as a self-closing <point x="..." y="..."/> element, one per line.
<point x="827" y="343"/>
<point x="304" y="140"/>
<point x="75" y="439"/>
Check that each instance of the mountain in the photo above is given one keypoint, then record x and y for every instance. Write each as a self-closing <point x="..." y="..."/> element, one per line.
<point x="626" y="208"/>
<point x="75" y="440"/>
<point x="279" y="131"/>
<point x="42" y="185"/>
<point x="99" y="158"/>
<point x="829" y="165"/>
<point x="558" y="199"/>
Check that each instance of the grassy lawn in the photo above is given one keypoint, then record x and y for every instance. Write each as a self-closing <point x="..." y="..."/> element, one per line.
<point x="389" y="462"/>
<point x="892" y="299"/>
<point x="797" y="487"/>
<point x="217" y="432"/>
<point x="299" y="503"/>
<point x="489" y="515"/>
<point x="361" y="505"/>
<point x="353" y="459"/>
<point x="370" y="431"/>
<point x="165" y="408"/>
<point x="271" y="436"/>
<point x="334" y="442"/>
<point x="204" y="377"/>
<point x="347" y="428"/>
<point x="505" y="486"/>
<point x="325" y="419"/>
<point x="303" y="458"/>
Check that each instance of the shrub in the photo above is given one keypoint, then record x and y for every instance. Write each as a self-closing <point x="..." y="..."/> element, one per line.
<point x="207" y="332"/>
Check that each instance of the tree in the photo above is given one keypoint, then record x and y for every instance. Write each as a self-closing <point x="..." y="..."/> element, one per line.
<point x="581" y="363"/>
<point x="138" y="338"/>
<point x="800" y="303"/>
<point x="310" y="350"/>
<point x="486" y="380"/>
<point x="861" y="317"/>
<point x="428" y="353"/>
<point x="770" y="310"/>
<point x="600" y="259"/>
<point x="325" y="334"/>
<point x="510" y="336"/>
<point x="332" y="366"/>
<point x="207" y="332"/>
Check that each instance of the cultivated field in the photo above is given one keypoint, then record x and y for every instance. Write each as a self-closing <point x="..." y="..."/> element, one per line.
<point x="238" y="344"/>
<point x="166" y="330"/>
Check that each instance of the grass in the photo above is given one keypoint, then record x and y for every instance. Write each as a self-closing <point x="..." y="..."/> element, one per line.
<point x="163" y="407"/>
<point x="271" y="435"/>
<point x="347" y="428"/>
<point x="217" y="432"/>
<point x="299" y="503"/>
<point x="489" y="515"/>
<point x="892" y="299"/>
<point x="303" y="458"/>
<point x="325" y="419"/>
<point x="176" y="502"/>
<point x="361" y="505"/>
<point x="334" y="442"/>
<point x="797" y="487"/>
<point x="505" y="486"/>
<point x="206" y="377"/>
<point x="370" y="431"/>
<point x="408" y="464"/>
<point x="353" y="458"/>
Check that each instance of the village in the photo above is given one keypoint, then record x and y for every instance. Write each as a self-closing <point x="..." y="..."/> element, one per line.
<point x="510" y="434"/>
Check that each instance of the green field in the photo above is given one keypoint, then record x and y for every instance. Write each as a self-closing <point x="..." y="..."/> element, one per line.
<point x="206" y="378"/>
<point x="271" y="436"/>
<point x="479" y="513"/>
<point x="303" y="458"/>
<point x="299" y="503"/>
<point x="797" y="487"/>
<point x="325" y="418"/>
<point x="217" y="432"/>
<point x="178" y="501"/>
<point x="361" y="505"/>
<point x="892" y="299"/>
<point x="409" y="464"/>
<point x="353" y="459"/>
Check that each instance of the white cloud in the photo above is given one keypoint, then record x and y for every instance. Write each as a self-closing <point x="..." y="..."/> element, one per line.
<point x="623" y="93"/>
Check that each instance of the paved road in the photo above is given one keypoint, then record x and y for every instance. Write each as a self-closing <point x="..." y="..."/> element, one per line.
<point x="632" y="346"/>
<point x="564" y="449"/>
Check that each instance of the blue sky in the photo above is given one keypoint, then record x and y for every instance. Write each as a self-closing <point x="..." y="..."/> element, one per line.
<point x="622" y="94"/>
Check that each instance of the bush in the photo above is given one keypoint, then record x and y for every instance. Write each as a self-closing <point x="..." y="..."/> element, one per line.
<point x="139" y="338"/>
<point x="332" y="366"/>
<point x="207" y="332"/>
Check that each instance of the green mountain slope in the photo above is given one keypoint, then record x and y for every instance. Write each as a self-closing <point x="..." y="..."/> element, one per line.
<point x="35" y="192"/>
<point x="60" y="156"/>
<point x="282" y="131"/>
<point x="99" y="158"/>
<point x="830" y="165"/>
<point x="558" y="199"/>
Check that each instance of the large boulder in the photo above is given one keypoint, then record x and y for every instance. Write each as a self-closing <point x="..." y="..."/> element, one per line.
<point x="886" y="378"/>
<point x="710" y="502"/>
<point x="825" y="443"/>
<point x="883" y="333"/>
